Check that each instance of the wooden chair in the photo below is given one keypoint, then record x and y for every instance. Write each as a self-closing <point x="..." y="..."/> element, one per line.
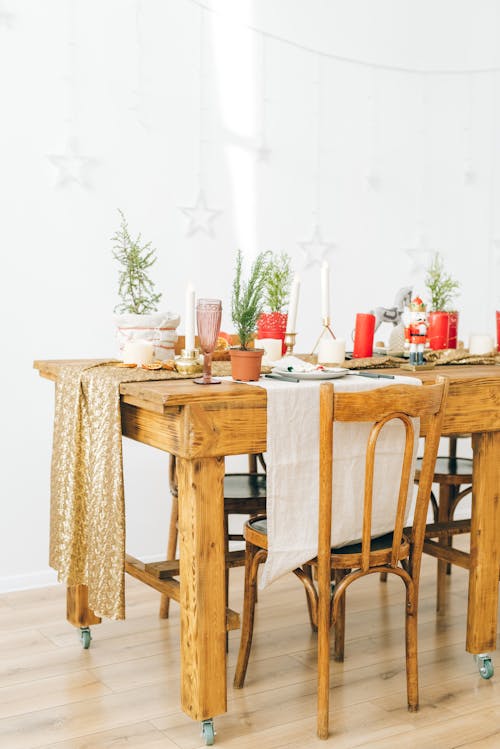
<point x="244" y="494"/>
<point x="398" y="552"/>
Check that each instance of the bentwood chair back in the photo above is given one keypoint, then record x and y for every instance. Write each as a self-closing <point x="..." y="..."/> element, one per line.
<point x="398" y="552"/>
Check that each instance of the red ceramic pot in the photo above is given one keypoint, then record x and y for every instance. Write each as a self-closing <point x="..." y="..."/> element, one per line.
<point x="438" y="330"/>
<point x="273" y="325"/>
<point x="498" y="331"/>
<point x="452" y="329"/>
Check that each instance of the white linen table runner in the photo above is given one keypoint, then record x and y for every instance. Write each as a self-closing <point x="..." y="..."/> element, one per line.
<point x="293" y="468"/>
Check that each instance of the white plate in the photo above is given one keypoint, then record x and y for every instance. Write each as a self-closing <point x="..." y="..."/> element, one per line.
<point x="320" y="374"/>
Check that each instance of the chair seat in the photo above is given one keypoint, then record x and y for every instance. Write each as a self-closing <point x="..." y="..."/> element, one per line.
<point x="244" y="493"/>
<point x="454" y="471"/>
<point x="380" y="547"/>
<point x="243" y="485"/>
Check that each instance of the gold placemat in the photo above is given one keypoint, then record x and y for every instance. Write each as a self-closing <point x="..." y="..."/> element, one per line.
<point x="375" y="362"/>
<point x="461" y="356"/>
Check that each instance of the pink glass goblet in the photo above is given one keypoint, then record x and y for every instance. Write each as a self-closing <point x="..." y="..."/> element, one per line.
<point x="208" y="317"/>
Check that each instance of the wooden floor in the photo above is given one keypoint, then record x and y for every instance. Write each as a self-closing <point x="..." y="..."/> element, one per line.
<point x="124" y="690"/>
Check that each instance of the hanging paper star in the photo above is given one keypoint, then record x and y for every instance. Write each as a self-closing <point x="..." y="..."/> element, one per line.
<point x="72" y="167"/>
<point x="6" y="18"/>
<point x="263" y="152"/>
<point x="316" y="249"/>
<point x="469" y="174"/>
<point x="373" y="180"/>
<point x="421" y="255"/>
<point x="200" y="217"/>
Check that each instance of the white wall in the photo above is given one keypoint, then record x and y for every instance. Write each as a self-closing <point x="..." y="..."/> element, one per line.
<point x="403" y="93"/>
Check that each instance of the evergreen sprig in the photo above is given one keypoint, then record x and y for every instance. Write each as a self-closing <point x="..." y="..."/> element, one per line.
<point x="278" y="281"/>
<point x="248" y="297"/>
<point x="135" y="287"/>
<point x="442" y="287"/>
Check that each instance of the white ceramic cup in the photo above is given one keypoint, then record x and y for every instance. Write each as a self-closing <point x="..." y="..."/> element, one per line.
<point x="272" y="349"/>
<point x="480" y="344"/>
<point x="331" y="350"/>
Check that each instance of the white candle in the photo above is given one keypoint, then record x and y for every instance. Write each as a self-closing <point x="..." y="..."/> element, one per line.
<point x="480" y="344"/>
<point x="138" y="352"/>
<point x="272" y="349"/>
<point x="189" y="327"/>
<point x="292" y="308"/>
<point x="325" y="290"/>
<point x="331" y="350"/>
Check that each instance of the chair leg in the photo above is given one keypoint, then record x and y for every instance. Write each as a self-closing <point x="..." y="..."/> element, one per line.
<point x="252" y="557"/>
<point x="309" y="573"/>
<point x="171" y="552"/>
<point x="226" y="571"/>
<point x="411" y="647"/>
<point x="339" y="624"/>
<point x="445" y="499"/>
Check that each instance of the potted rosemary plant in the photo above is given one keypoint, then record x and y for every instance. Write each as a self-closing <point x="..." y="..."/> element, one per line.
<point x="442" y="318"/>
<point x="246" y="305"/>
<point x="138" y="318"/>
<point x="272" y="324"/>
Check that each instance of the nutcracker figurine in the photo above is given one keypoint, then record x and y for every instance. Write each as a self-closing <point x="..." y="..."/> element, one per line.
<point x="417" y="330"/>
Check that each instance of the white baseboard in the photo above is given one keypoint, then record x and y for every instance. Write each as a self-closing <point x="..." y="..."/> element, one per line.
<point x="11" y="583"/>
<point x="42" y="579"/>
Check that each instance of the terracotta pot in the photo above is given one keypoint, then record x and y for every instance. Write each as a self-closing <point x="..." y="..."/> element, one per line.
<point x="438" y="330"/>
<point x="452" y="329"/>
<point x="273" y="325"/>
<point x="246" y="363"/>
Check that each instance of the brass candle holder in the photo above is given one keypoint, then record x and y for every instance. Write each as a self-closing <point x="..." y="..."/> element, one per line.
<point x="290" y="342"/>
<point x="189" y="362"/>
<point x="326" y="330"/>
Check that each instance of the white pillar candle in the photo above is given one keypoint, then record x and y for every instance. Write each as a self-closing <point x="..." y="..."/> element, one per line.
<point x="292" y="308"/>
<point x="325" y="290"/>
<point x="480" y="344"/>
<point x="138" y="352"/>
<point x="189" y="326"/>
<point x="331" y="350"/>
<point x="272" y="349"/>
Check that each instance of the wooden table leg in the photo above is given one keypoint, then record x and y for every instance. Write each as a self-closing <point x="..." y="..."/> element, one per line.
<point x="202" y="587"/>
<point x="77" y="607"/>
<point x="485" y="545"/>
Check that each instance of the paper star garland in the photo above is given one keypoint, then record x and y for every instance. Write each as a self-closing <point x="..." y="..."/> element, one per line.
<point x="72" y="166"/>
<point x="316" y="249"/>
<point x="200" y="217"/>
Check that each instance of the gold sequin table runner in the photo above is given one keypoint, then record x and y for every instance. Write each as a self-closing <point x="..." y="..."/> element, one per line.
<point x="87" y="519"/>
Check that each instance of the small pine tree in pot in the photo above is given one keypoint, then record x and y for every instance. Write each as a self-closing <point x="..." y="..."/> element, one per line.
<point x="442" y="318"/>
<point x="138" y="318"/>
<point x="247" y="301"/>
<point x="272" y="324"/>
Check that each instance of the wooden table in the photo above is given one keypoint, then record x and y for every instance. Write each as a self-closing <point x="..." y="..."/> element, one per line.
<point x="201" y="425"/>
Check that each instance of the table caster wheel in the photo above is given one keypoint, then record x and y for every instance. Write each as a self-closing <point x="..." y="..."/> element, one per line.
<point x="85" y="637"/>
<point x="207" y="731"/>
<point x="485" y="665"/>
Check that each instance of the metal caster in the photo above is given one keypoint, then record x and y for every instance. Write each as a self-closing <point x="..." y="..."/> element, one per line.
<point x="85" y="637"/>
<point x="485" y="665"/>
<point x="207" y="731"/>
